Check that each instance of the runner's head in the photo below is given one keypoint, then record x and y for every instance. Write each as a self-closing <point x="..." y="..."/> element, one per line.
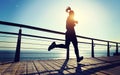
<point x="71" y="12"/>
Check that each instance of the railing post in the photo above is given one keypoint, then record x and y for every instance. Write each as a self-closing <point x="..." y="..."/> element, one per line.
<point x="108" y="49"/>
<point x="17" y="53"/>
<point x="116" y="48"/>
<point x="92" y="48"/>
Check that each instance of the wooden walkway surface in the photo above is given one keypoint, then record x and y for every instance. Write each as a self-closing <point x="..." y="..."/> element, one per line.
<point x="89" y="66"/>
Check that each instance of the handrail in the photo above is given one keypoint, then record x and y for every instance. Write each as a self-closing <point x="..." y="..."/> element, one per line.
<point x="46" y="30"/>
<point x="29" y="27"/>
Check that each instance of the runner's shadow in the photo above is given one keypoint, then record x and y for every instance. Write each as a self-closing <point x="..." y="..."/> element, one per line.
<point x="63" y="67"/>
<point x="78" y="69"/>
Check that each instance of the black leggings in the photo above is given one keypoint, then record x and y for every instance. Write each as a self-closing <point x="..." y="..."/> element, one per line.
<point x="70" y="37"/>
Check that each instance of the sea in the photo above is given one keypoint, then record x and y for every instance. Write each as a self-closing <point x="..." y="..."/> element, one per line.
<point x="8" y="55"/>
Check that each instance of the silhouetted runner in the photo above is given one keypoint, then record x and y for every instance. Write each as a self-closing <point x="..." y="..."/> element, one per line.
<point x="70" y="36"/>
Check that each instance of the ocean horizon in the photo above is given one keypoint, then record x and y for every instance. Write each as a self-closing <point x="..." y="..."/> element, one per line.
<point x="8" y="55"/>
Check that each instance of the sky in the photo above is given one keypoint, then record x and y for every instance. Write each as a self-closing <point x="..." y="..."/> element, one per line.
<point x="96" y="18"/>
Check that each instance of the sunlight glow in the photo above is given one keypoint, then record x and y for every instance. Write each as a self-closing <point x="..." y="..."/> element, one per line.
<point x="93" y="17"/>
<point x="90" y="18"/>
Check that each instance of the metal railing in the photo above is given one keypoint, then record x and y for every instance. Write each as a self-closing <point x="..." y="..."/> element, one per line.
<point x="19" y="34"/>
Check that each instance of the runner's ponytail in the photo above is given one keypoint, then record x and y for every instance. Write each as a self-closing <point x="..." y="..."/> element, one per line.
<point x="68" y="9"/>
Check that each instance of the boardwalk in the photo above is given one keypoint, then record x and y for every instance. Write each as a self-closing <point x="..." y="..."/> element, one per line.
<point x="89" y="66"/>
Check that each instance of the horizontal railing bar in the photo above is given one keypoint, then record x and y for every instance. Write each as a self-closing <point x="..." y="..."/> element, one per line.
<point x="46" y="30"/>
<point x="27" y="26"/>
<point x="6" y="47"/>
<point x="96" y="39"/>
<point x="11" y="33"/>
<point x="28" y="35"/>
<point x="22" y="47"/>
<point x="7" y="42"/>
<point x="42" y="37"/>
<point x="33" y="43"/>
<point x="84" y="42"/>
<point x="23" y="43"/>
<point x="9" y="36"/>
<point x="2" y="32"/>
<point x="35" y="39"/>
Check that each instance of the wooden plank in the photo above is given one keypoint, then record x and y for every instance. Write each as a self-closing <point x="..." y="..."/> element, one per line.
<point x="31" y="68"/>
<point x="54" y="65"/>
<point x="54" y="68"/>
<point x="63" y="66"/>
<point x="48" y="68"/>
<point x="75" y="67"/>
<point x="41" y="70"/>
<point x="22" y="69"/>
<point x="45" y="67"/>
<point x="3" y="67"/>
<point x="11" y="70"/>
<point x="51" y="68"/>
